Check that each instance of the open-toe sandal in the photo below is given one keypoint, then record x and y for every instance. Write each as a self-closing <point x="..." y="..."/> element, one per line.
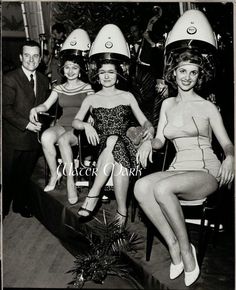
<point x="89" y="212"/>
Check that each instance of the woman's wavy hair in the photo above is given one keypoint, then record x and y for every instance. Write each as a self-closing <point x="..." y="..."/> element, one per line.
<point x="205" y="62"/>
<point x="121" y="68"/>
<point x="78" y="59"/>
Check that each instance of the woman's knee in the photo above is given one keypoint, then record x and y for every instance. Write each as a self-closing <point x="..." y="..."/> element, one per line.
<point x="63" y="140"/>
<point x="141" y="188"/>
<point x="161" y="190"/>
<point x="111" y="141"/>
<point x="47" y="138"/>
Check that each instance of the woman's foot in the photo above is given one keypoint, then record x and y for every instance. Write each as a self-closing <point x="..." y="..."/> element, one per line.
<point x="120" y="219"/>
<point x="177" y="265"/>
<point x="72" y="193"/>
<point x="191" y="276"/>
<point x="88" y="207"/>
<point x="176" y="270"/>
<point x="54" y="179"/>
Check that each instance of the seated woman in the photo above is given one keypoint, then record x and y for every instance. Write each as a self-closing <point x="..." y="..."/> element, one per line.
<point x="188" y="121"/>
<point x="111" y="109"/>
<point x="70" y="96"/>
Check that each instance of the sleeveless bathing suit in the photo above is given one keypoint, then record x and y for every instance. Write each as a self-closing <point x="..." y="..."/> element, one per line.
<point x="70" y="101"/>
<point x="192" y="141"/>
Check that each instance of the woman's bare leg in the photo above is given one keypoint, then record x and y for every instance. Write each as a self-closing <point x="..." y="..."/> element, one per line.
<point x="65" y="142"/>
<point x="121" y="184"/>
<point x="144" y="193"/>
<point x="191" y="186"/>
<point x="188" y="185"/>
<point x="49" y="139"/>
<point x="105" y="165"/>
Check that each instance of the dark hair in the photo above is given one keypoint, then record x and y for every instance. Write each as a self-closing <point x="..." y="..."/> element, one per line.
<point x="59" y="27"/>
<point x="205" y="62"/>
<point x="75" y="59"/>
<point x="30" y="43"/>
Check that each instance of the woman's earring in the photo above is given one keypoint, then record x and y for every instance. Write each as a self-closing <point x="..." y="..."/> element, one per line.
<point x="79" y="75"/>
<point x="117" y="81"/>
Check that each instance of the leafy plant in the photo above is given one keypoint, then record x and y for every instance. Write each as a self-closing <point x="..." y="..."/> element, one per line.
<point x="104" y="253"/>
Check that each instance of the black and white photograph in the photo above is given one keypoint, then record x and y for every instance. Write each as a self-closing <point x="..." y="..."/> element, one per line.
<point x="117" y="144"/>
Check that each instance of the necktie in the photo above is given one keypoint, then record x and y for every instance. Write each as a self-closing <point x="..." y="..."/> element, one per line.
<point x="32" y="81"/>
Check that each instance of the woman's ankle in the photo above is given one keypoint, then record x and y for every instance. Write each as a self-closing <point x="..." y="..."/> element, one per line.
<point x="175" y="253"/>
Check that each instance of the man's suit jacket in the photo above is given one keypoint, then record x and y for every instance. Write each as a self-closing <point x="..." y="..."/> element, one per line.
<point x="17" y="100"/>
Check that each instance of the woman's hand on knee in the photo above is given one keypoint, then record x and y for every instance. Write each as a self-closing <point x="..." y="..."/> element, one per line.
<point x="226" y="172"/>
<point x="91" y="134"/>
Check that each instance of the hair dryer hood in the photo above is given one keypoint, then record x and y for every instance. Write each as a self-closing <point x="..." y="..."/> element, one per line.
<point x="110" y="43"/>
<point x="78" y="42"/>
<point x="191" y="30"/>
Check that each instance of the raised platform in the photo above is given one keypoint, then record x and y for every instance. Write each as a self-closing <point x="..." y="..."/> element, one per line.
<point x="53" y="210"/>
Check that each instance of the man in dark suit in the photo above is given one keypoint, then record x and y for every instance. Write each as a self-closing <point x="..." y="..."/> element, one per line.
<point x="23" y="89"/>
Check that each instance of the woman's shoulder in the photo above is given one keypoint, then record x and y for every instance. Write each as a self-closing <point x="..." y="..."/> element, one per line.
<point x="209" y="108"/>
<point x="58" y="88"/>
<point x="85" y="85"/>
<point x="127" y="95"/>
<point x="90" y="98"/>
<point x="168" y="102"/>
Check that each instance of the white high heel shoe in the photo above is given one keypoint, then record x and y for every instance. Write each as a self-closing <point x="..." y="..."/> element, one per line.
<point x="176" y="270"/>
<point x="73" y="200"/>
<point x="191" y="277"/>
<point x="52" y="186"/>
<point x="73" y="191"/>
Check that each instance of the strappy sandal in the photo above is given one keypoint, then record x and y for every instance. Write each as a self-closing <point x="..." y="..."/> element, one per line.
<point x="88" y="211"/>
<point x="120" y="219"/>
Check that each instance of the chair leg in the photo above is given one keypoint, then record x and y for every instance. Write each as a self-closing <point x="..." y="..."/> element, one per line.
<point x="46" y="171"/>
<point x="216" y="227"/>
<point x="133" y="208"/>
<point x="203" y="238"/>
<point x="149" y="241"/>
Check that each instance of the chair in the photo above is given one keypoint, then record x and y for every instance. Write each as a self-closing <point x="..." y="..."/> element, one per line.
<point x="83" y="165"/>
<point x="204" y="212"/>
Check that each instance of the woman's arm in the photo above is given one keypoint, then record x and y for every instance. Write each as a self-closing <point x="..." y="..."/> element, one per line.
<point x="43" y="107"/>
<point x="226" y="172"/>
<point x="145" y="150"/>
<point x="78" y="123"/>
<point x="159" y="140"/>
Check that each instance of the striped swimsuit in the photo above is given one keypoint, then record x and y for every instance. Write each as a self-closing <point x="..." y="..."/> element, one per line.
<point x="70" y="101"/>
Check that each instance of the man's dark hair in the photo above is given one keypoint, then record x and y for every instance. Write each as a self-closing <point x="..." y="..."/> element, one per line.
<point x="31" y="43"/>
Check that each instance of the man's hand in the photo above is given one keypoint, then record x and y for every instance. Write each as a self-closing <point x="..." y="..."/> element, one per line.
<point x="34" y="127"/>
<point x="33" y="115"/>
